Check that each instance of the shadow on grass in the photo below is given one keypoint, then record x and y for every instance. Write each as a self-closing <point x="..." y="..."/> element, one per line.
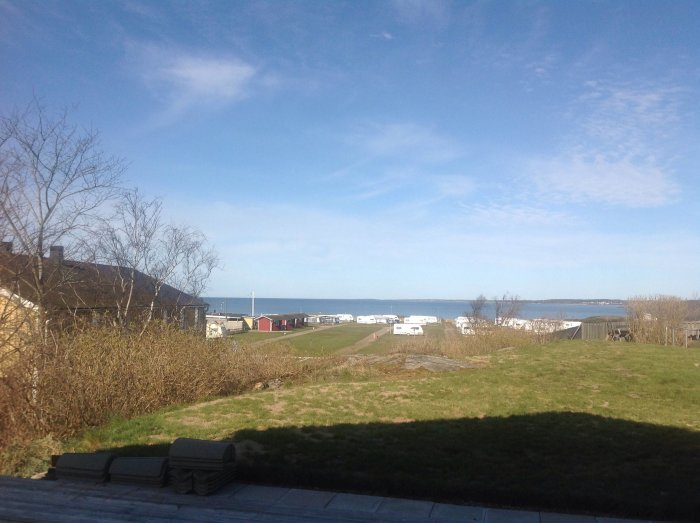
<point x="550" y="461"/>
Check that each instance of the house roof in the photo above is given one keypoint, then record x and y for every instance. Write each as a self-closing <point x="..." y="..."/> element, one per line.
<point x="81" y="285"/>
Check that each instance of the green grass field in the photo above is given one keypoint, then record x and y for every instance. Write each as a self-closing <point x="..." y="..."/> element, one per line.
<point x="434" y="334"/>
<point x="325" y="342"/>
<point x="570" y="426"/>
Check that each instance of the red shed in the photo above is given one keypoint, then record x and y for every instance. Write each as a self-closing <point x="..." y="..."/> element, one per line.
<point x="280" y="322"/>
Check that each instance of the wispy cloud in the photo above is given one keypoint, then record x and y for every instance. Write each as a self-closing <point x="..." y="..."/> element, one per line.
<point x="500" y="215"/>
<point x="629" y="119"/>
<point x="185" y="81"/>
<point x="211" y="78"/>
<point x="586" y="179"/>
<point x="149" y="11"/>
<point x="405" y="141"/>
<point x="421" y="10"/>
<point x="617" y="152"/>
<point x="8" y="8"/>
<point x="384" y="35"/>
<point x="415" y="163"/>
<point x="454" y="185"/>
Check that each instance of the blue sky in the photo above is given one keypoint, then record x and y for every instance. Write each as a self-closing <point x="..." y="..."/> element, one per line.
<point x="407" y="149"/>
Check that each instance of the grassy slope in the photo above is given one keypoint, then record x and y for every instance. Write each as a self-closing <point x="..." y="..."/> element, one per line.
<point x="391" y="342"/>
<point x="572" y="426"/>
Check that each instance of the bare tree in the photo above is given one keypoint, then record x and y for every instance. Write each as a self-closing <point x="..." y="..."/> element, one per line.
<point x="477" y="307"/>
<point x="128" y="240"/>
<point x="507" y="307"/>
<point x="197" y="261"/>
<point x="182" y="259"/>
<point x="53" y="179"/>
<point x="136" y="240"/>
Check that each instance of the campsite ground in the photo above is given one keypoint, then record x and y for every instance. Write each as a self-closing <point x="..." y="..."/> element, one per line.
<point x="571" y="426"/>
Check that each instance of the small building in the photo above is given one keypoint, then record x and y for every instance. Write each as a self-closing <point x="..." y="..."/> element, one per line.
<point x="280" y="322"/>
<point x="18" y="319"/>
<point x="94" y="292"/>
<point x="221" y="325"/>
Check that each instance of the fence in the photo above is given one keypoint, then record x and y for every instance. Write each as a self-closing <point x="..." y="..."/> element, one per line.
<point x="601" y="329"/>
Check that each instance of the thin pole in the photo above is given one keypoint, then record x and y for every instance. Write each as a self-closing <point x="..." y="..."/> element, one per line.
<point x="252" y="311"/>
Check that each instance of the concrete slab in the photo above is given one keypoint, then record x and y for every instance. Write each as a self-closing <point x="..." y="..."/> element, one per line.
<point x="553" y="517"/>
<point x="405" y="507"/>
<point x="37" y="500"/>
<point x="444" y="511"/>
<point x="621" y="520"/>
<point x="498" y="515"/>
<point x="260" y="494"/>
<point x="355" y="502"/>
<point x="315" y="499"/>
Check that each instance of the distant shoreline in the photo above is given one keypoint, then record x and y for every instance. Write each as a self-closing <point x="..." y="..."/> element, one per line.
<point x="527" y="309"/>
<point x="563" y="301"/>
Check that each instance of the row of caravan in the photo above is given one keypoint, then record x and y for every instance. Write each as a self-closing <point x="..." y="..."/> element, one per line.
<point x="328" y="319"/>
<point x="421" y="320"/>
<point x="469" y="325"/>
<point x="393" y="318"/>
<point x="387" y="319"/>
<point x="378" y="318"/>
<point x="411" y="326"/>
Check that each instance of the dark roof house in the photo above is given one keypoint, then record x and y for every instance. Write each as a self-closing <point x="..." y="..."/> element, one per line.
<point x="80" y="289"/>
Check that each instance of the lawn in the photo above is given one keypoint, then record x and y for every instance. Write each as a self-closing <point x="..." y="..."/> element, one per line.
<point x="571" y="426"/>
<point x="433" y="335"/>
<point x="252" y="336"/>
<point x="325" y="342"/>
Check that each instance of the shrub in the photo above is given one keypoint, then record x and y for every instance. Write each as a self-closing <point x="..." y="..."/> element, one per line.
<point x="82" y="379"/>
<point x="657" y="319"/>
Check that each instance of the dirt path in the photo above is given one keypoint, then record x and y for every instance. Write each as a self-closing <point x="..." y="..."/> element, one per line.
<point x="364" y="342"/>
<point x="291" y="335"/>
<point x="450" y="331"/>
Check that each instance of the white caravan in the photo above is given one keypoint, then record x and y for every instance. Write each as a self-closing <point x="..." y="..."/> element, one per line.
<point x="408" y="329"/>
<point x="386" y="318"/>
<point x="461" y="321"/>
<point x="345" y="318"/>
<point x="366" y="319"/>
<point x="421" y="320"/>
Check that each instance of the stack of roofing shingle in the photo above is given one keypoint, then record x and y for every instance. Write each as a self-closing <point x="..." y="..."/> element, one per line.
<point x="143" y="471"/>
<point x="201" y="466"/>
<point x="92" y="466"/>
<point x="182" y="480"/>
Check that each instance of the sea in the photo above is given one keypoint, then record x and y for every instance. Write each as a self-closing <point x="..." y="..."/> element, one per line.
<point x="444" y="309"/>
